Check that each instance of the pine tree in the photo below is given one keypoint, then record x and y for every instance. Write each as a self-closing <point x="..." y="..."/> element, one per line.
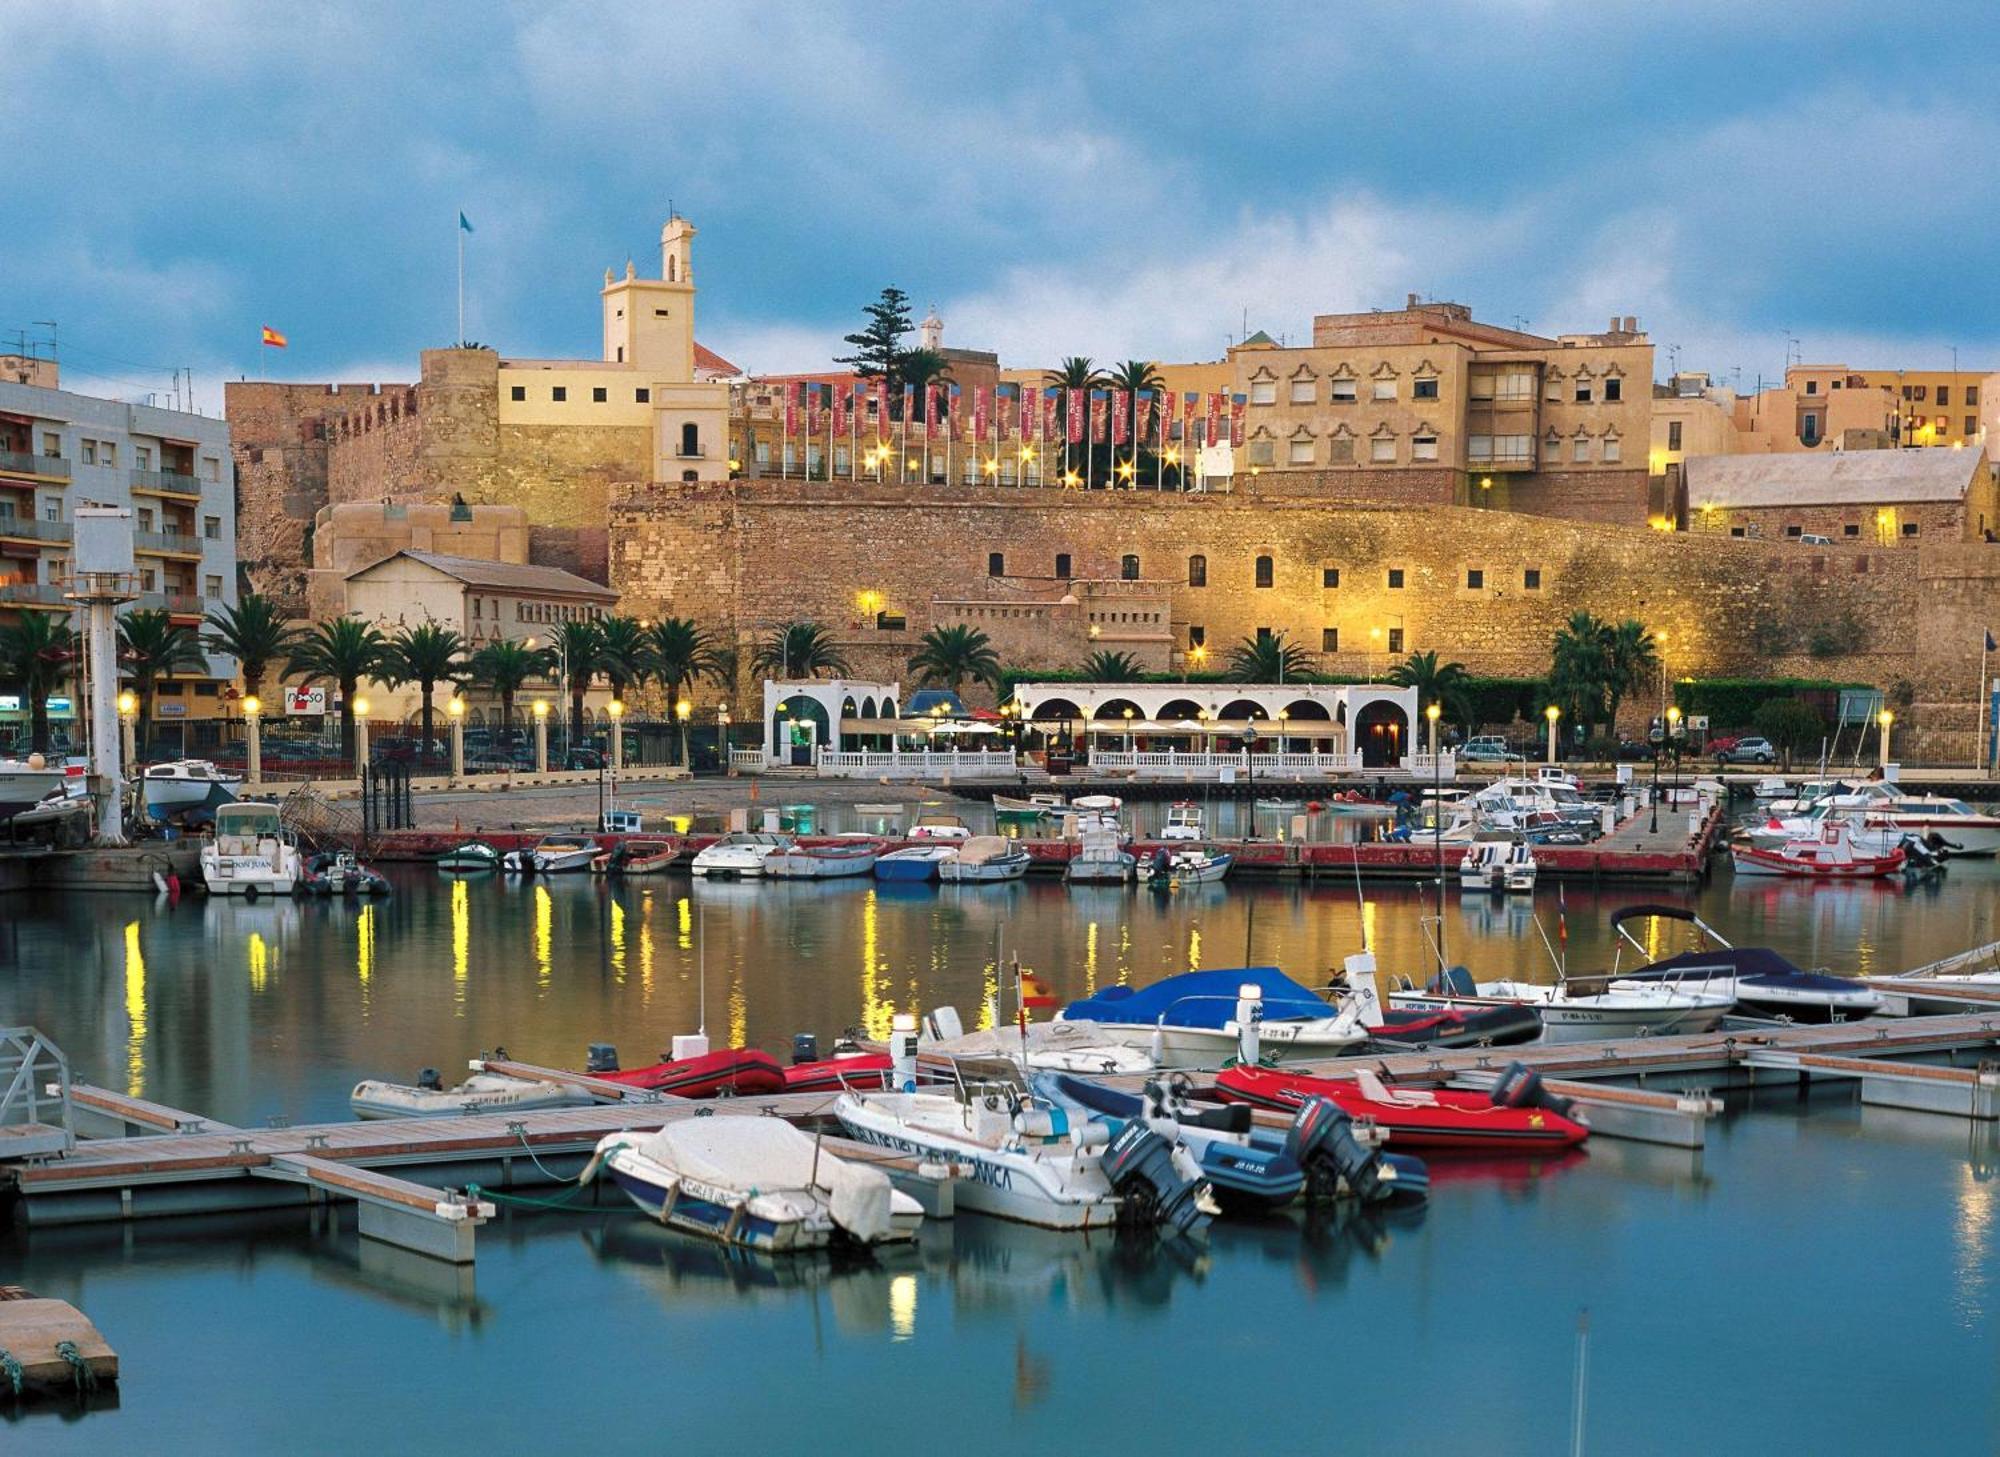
<point x="878" y="348"/>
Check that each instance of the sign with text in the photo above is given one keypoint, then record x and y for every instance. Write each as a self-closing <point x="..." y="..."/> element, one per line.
<point x="305" y="700"/>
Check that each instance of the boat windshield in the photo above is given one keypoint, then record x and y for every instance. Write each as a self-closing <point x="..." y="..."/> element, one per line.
<point x="260" y="820"/>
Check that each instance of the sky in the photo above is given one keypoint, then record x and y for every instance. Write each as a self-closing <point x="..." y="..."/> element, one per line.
<point x="1752" y="180"/>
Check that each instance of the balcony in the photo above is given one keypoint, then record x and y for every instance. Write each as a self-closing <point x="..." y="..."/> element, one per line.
<point x="26" y="528"/>
<point x="46" y="470"/>
<point x="183" y="545"/>
<point x="174" y="604"/>
<point x="34" y="594"/>
<point x="166" y="484"/>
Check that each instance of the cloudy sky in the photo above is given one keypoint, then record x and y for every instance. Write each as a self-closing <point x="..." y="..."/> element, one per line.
<point x="1133" y="180"/>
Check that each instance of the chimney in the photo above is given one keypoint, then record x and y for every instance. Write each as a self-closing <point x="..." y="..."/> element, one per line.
<point x="1614" y="324"/>
<point x="1412" y="303"/>
<point x="1631" y="323"/>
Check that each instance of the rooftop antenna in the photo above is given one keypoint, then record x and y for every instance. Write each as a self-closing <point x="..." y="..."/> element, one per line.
<point x="1674" y="358"/>
<point x="55" y="350"/>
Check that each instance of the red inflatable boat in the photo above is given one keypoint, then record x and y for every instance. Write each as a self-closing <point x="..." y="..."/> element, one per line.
<point x="862" y="1070"/>
<point x="1518" y="1117"/>
<point x="739" y="1071"/>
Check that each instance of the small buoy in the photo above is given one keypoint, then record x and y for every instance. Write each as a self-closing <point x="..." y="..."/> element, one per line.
<point x="173" y="887"/>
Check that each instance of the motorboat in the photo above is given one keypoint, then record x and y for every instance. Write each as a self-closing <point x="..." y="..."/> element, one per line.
<point x="468" y="859"/>
<point x="1519" y="1115"/>
<point x="740" y="854"/>
<point x="1494" y="1026"/>
<point x="984" y="859"/>
<point x="250" y="853"/>
<point x="939" y="827"/>
<point x="853" y="1067"/>
<point x="1101" y="857"/>
<point x="824" y="862"/>
<point x="1204" y="1018"/>
<point x="1829" y="855"/>
<point x="1167" y="868"/>
<point x="184" y="786"/>
<point x="1776" y="831"/>
<point x="25" y="783"/>
<point x="1184" y="822"/>
<point x="755" y="1182"/>
<point x="1517" y="871"/>
<point x="1771" y="788"/>
<point x="340" y="872"/>
<point x="483" y="1092"/>
<point x="1073" y="1047"/>
<point x="1976" y="971"/>
<point x="1521" y="808"/>
<point x="914" y="862"/>
<point x="1030" y="813"/>
<point x="553" y="855"/>
<point x="691" y="1070"/>
<point x="1479" y="867"/>
<point x="1763" y="983"/>
<point x="637" y="855"/>
<point x="1029" y="1160"/>
<point x="1097" y="812"/>
<point x="1586" y="1010"/>
<point x="1880" y="808"/>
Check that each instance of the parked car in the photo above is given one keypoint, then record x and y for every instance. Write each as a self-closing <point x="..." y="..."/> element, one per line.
<point x="1640" y="749"/>
<point x="1747" y="751"/>
<point x="1808" y="539"/>
<point x="584" y="759"/>
<point x="1486" y="748"/>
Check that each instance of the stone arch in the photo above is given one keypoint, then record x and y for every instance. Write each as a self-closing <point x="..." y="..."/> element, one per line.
<point x="1381" y="733"/>
<point x="1176" y="709"/>
<point x="1242" y="710"/>
<point x="1112" y="710"/>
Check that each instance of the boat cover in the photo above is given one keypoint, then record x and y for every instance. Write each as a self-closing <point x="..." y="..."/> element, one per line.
<point x="982" y="848"/>
<point x="769" y="1156"/>
<point x="1745" y="963"/>
<point x="1201" y="999"/>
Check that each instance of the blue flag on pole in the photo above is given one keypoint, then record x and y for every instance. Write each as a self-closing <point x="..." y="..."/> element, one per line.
<point x="464" y="223"/>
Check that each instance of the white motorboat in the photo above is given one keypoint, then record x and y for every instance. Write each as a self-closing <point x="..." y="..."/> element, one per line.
<point x="1101" y="858"/>
<point x="1781" y="830"/>
<point x="184" y="784"/>
<point x="1479" y="867"/>
<point x="1071" y="1047"/>
<point x="740" y="854"/>
<point x="250" y="853"/>
<point x="1878" y="807"/>
<point x="1032" y="811"/>
<point x="940" y="827"/>
<point x="1183" y="822"/>
<point x="1770" y="788"/>
<point x="1187" y="867"/>
<point x="483" y="1092"/>
<point x="25" y="783"/>
<point x="1096" y="812"/>
<point x="1029" y="1161"/>
<point x="984" y="859"/>
<point x="914" y="862"/>
<point x="1572" y="1013"/>
<point x="755" y="1182"/>
<point x="1763" y="983"/>
<point x="1517" y="871"/>
<point x="553" y="855"/>
<point x="1203" y="1019"/>
<point x="1976" y="971"/>
<point x="824" y="862"/>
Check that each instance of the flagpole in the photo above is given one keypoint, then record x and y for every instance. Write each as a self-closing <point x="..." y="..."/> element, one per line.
<point x="1979" y="703"/>
<point x="460" y="231"/>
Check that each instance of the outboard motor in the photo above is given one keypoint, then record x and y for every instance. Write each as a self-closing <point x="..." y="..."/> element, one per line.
<point x="1249" y="1012"/>
<point x="1518" y="1087"/>
<point x="1362" y="997"/>
<point x="1152" y="1187"/>
<point x="1322" y="1139"/>
<point x="805" y="1047"/>
<point x="600" y="1057"/>
<point x="429" y="1081"/>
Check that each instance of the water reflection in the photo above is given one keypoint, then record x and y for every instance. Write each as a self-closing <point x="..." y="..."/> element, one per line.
<point x="135" y="1014"/>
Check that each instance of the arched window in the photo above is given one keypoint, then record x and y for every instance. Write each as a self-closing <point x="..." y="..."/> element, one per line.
<point x="690" y="475"/>
<point x="1128" y="567"/>
<point x="690" y="438"/>
<point x="1263" y="571"/>
<point x="1197" y="570"/>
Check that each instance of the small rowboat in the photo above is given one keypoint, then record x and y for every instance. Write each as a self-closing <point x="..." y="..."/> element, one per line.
<point x="1518" y="1116"/>
<point x="637" y="857"/>
<point x="1830" y="855"/>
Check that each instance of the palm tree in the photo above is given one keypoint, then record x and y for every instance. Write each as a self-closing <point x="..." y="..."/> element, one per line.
<point x="1445" y="684"/>
<point x="35" y="656"/>
<point x="678" y="653"/>
<point x="799" y="650"/>
<point x="1579" y="670"/>
<point x="1109" y="667"/>
<point x="950" y="655"/>
<point x="919" y="367"/>
<point x="580" y="650"/>
<point x="503" y="667"/>
<point x="1632" y="658"/>
<point x="1268" y="659"/>
<point x="1136" y="375"/>
<point x="255" y="633"/>
<point x="622" y="653"/>
<point x="152" y="645"/>
<point x="426" y="655"/>
<point x="343" y="651"/>
<point x="1076" y="372"/>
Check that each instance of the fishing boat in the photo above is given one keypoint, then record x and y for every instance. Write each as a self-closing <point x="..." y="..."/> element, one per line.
<point x="1764" y="983"/>
<point x="1204" y="1018"/>
<point x="1518" y="1116"/>
<point x="913" y="862"/>
<point x="739" y="855"/>
<point x="1184" y="821"/>
<point x="755" y="1182"/>
<point x="1166" y="868"/>
<point x="1030" y="1161"/>
<point x="552" y="855"/>
<point x="824" y="862"/>
<point x="939" y="827"/>
<point x="181" y="786"/>
<point x="1101" y="858"/>
<point x="467" y="859"/>
<point x="338" y="872"/>
<point x="250" y="853"/>
<point x="483" y="1092"/>
<point x="636" y="855"/>
<point x="984" y="859"/>
<point x="1829" y="855"/>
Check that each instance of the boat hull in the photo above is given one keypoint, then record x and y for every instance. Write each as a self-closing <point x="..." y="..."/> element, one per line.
<point x="820" y="865"/>
<point x="1454" y="1121"/>
<point x="676" y="1203"/>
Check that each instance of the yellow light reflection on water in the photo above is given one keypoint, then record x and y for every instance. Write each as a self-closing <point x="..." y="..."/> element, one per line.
<point x="545" y="917"/>
<point x="989" y="996"/>
<point x="684" y="923"/>
<point x="1194" y="948"/>
<point x="1124" y="952"/>
<point x="903" y="1307"/>
<point x="260" y="963"/>
<point x="364" y="952"/>
<point x="461" y="944"/>
<point x="646" y="949"/>
<point x="1090" y="959"/>
<point x="135" y="1014"/>
<point x="1973" y="1237"/>
<point x="617" y="943"/>
<point x="876" y="1010"/>
<point x="1368" y="924"/>
<point x="739" y="1010"/>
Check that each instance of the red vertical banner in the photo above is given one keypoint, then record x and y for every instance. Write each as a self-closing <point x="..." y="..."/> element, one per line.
<point x="840" y="403"/>
<point x="1121" y="417"/>
<point x="1030" y="394"/>
<point x="1214" y="422"/>
<point x="1236" y="404"/>
<point x="930" y="409"/>
<point x="813" y="409"/>
<point x="792" y="392"/>
<point x="1165" y="416"/>
<point x="1048" y="431"/>
<point x="954" y="424"/>
<point x="979" y="414"/>
<point x="1073" y="417"/>
<point x="1100" y="417"/>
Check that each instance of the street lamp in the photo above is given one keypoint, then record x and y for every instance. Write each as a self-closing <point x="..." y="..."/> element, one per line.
<point x="361" y="707"/>
<point x="681" y="711"/>
<point x="1128" y="731"/>
<point x="253" y="755"/>
<point x="616" y="709"/>
<point x="128" y="721"/>
<point x="541" y="711"/>
<point x="455" y="711"/>
<point x="1885" y="718"/>
<point x="1674" y="743"/>
<point x="1553" y="713"/>
<point x="1250" y="771"/>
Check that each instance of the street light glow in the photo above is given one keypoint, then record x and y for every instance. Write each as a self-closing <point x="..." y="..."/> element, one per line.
<point x="456" y="708"/>
<point x="252" y="706"/>
<point x="541" y="708"/>
<point x="128" y="702"/>
<point x="361" y="707"/>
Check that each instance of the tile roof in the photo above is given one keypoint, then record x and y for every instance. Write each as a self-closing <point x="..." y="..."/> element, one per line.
<point x="503" y="576"/>
<point x="706" y="360"/>
<point x="1831" y="478"/>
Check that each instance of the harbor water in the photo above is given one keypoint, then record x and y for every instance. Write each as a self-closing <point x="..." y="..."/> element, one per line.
<point x="1651" y="1300"/>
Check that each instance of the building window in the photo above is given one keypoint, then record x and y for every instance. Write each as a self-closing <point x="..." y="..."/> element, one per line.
<point x="1794" y="530"/>
<point x="1344" y="392"/>
<point x="690" y="438"/>
<point x="1673" y="435"/>
<point x="145" y="515"/>
<point x="148" y="582"/>
<point x="1341" y="450"/>
<point x="1197" y="571"/>
<point x="107" y="452"/>
<point x="1972" y="397"/>
<point x="1197" y="635"/>
<point x="1475" y="579"/>
<point x="1263" y="392"/>
<point x="1264" y="571"/>
<point x="1424" y="389"/>
<point x="1479" y="447"/>
<point x="1944" y="395"/>
<point x="1531" y="579"/>
<point x="1971" y="424"/>
<point x="1909" y="528"/>
<point x="1614" y="390"/>
<point x="1329" y="577"/>
<point x="1384" y="389"/>
<point x="1382" y="449"/>
<point x="142" y="457"/>
<point x="211" y="527"/>
<point x="1583" y="392"/>
<point x="1812" y="386"/>
<point x="1395" y="639"/>
<point x="90" y="452"/>
<point x="1850" y="529"/>
<point x="1128" y="567"/>
<point x="1424" y="447"/>
<point x="1737" y="531"/>
<point x="642" y="396"/>
<point x="1613" y="451"/>
<point x="1923" y="393"/>
<point x="1552" y="449"/>
<point x="996" y="564"/>
<point x="559" y="393"/>
<point x="212" y="588"/>
<point x="1062" y="565"/>
<point x="1329" y="639"/>
<point x="517" y="392"/>
<point x="1395" y="579"/>
<point x="1265" y="634"/>
<point x="1301" y="451"/>
<point x="1579" y="449"/>
<point x="478" y="609"/>
<point x="52" y="444"/>
<point x="597" y="394"/>
<point x="1305" y="391"/>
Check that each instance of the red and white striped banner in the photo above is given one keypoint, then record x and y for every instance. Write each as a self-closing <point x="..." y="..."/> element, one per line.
<point x="930" y="409"/>
<point x="792" y="393"/>
<point x="1164" y="412"/>
<point x="1236" y="404"/>
<point x="1121" y="417"/>
<point x="979" y="413"/>
<point x="1073" y="417"/>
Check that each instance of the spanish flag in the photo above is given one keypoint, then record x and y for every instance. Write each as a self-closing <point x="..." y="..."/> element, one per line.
<point x="1035" y="992"/>
<point x="273" y="338"/>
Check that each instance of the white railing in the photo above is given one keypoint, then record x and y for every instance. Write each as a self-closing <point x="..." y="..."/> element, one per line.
<point x="917" y="763"/>
<point x="1431" y="766"/>
<point x="1179" y="764"/>
<point x="746" y="758"/>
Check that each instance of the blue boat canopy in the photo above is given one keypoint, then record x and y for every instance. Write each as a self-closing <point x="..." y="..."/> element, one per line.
<point x="1746" y="963"/>
<point x="1200" y="999"/>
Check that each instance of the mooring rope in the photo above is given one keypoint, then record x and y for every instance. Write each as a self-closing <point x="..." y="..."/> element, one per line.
<point x="86" y="1379"/>
<point x="11" y="1370"/>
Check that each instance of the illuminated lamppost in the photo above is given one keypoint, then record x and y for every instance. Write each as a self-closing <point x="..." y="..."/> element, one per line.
<point x="681" y="711"/>
<point x="1128" y="731"/>
<point x="455" y="711"/>
<point x="1885" y="719"/>
<point x="1437" y="828"/>
<point x="1674" y="744"/>
<point x="128" y="723"/>
<point x="616" y="710"/>
<point x="541" y="735"/>
<point x="361" y="707"/>
<point x="1553" y="713"/>
<point x="1250" y="772"/>
<point x="722" y="736"/>
<point x="253" y="748"/>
